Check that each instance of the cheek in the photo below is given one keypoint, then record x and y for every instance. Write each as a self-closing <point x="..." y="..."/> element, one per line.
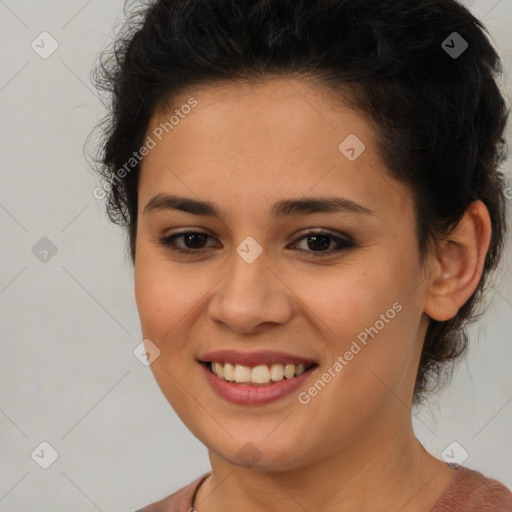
<point x="344" y="300"/>
<point x="163" y="294"/>
<point x="150" y="297"/>
<point x="365" y="314"/>
<point x="165" y="301"/>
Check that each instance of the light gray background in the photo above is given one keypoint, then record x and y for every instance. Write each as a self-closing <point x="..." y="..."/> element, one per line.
<point x="68" y="375"/>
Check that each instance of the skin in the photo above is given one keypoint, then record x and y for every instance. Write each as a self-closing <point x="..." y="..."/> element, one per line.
<point x="352" y="447"/>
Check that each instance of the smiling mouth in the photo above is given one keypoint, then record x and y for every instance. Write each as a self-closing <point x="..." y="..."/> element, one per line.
<point x="259" y="375"/>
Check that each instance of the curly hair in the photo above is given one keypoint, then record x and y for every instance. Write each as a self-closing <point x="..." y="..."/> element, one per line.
<point x="439" y="116"/>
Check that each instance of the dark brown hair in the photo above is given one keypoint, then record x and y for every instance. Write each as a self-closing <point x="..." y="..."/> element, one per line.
<point x="439" y="116"/>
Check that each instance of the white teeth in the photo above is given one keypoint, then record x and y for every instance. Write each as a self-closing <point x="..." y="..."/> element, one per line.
<point x="218" y="369"/>
<point x="289" y="371"/>
<point x="229" y="371"/>
<point x="260" y="374"/>
<point x="276" y="372"/>
<point x="242" y="373"/>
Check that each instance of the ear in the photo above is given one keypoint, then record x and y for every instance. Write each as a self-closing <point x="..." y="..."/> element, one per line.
<point x="457" y="267"/>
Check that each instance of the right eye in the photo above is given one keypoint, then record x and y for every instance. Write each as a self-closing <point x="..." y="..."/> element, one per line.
<point x="192" y="237"/>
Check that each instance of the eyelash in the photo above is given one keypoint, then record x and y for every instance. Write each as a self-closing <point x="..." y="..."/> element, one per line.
<point x="168" y="243"/>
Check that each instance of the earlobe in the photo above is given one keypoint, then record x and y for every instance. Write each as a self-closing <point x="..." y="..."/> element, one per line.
<point x="458" y="263"/>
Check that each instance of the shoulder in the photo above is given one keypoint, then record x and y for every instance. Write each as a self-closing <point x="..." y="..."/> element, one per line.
<point x="179" y="501"/>
<point x="471" y="491"/>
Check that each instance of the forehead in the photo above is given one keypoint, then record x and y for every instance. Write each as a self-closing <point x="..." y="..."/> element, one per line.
<point x="266" y="138"/>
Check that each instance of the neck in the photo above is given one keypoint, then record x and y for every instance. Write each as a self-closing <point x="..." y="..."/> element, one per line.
<point x="383" y="469"/>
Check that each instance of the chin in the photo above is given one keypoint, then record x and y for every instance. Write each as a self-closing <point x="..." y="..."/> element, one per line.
<point x="264" y="455"/>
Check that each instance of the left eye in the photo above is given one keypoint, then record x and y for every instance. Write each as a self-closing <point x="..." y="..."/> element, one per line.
<point x="321" y="240"/>
<point x="317" y="241"/>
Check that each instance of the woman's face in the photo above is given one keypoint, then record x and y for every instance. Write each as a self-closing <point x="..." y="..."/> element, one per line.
<point x="351" y="301"/>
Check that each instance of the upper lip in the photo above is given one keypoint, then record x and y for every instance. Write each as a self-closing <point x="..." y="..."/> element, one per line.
<point x="254" y="358"/>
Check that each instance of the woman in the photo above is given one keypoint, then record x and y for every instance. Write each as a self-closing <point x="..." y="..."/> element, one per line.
<point x="313" y="202"/>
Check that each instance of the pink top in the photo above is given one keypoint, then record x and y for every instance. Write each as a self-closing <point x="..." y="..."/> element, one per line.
<point x="469" y="491"/>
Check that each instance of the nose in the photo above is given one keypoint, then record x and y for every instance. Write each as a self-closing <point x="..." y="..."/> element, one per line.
<point x="250" y="296"/>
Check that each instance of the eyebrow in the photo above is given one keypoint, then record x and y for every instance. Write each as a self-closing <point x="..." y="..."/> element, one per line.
<point x="283" y="208"/>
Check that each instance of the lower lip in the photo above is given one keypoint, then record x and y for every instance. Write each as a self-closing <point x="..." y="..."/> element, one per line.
<point x="245" y="394"/>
